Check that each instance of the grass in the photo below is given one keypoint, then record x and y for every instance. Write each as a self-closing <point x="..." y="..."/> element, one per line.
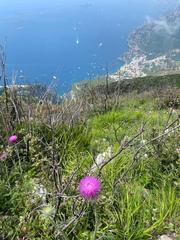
<point x="139" y="198"/>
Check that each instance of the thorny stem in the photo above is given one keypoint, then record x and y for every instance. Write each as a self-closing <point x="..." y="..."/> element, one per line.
<point x="156" y="138"/>
<point x="81" y="213"/>
<point x="121" y="149"/>
<point x="144" y="145"/>
<point x="96" y="221"/>
<point x="19" y="160"/>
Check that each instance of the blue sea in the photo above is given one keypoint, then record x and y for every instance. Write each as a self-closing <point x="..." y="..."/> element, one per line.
<point x="66" y="41"/>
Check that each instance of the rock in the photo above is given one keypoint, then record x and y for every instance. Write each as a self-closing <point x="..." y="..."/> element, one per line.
<point x="101" y="158"/>
<point x="164" y="237"/>
<point x="98" y="162"/>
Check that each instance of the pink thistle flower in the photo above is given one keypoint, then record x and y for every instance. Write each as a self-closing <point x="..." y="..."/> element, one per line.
<point x="12" y="139"/>
<point x="89" y="187"/>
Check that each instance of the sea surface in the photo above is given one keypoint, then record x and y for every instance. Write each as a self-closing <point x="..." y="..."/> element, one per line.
<point x="65" y="41"/>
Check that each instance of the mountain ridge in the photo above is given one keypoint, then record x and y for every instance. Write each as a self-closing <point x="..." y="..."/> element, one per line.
<point x="154" y="48"/>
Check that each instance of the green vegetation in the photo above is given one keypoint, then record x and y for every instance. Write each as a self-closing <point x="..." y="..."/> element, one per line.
<point x="137" y="129"/>
<point x="141" y="84"/>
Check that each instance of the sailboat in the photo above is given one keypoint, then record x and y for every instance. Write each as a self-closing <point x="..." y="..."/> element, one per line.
<point x="77" y="41"/>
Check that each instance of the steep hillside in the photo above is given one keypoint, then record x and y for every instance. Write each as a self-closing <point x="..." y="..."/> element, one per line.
<point x="104" y="165"/>
<point x="154" y="48"/>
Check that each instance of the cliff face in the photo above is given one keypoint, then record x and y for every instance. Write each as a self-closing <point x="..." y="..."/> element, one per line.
<point x="156" y="37"/>
<point x="153" y="48"/>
